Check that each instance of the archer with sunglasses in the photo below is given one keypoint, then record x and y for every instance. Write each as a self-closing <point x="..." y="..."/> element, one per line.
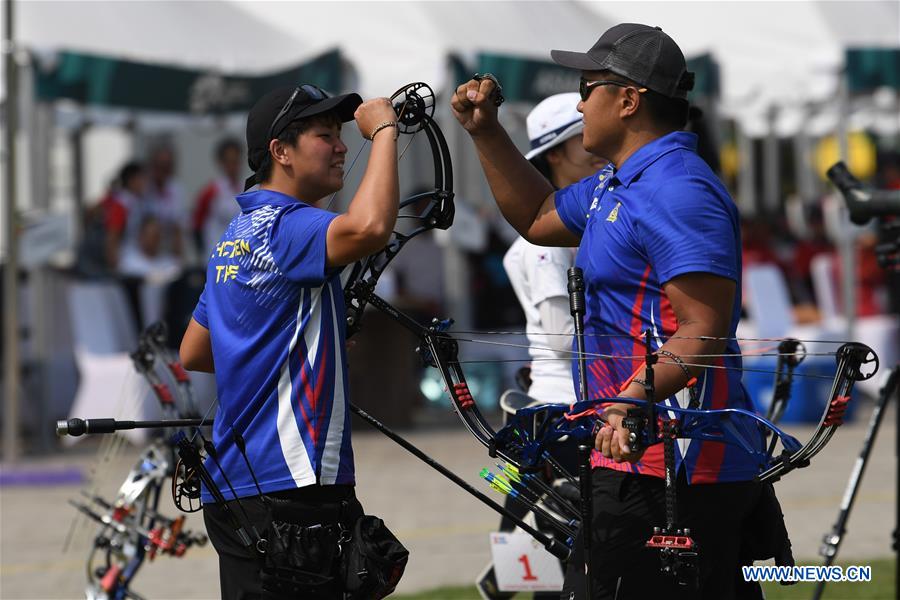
<point x="659" y="243"/>
<point x="270" y="325"/>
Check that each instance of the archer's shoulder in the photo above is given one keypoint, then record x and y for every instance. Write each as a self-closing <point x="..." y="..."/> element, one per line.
<point x="686" y="179"/>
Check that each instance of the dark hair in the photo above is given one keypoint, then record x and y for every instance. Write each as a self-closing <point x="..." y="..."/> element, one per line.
<point x="227" y="144"/>
<point x="128" y="172"/>
<point x="541" y="163"/>
<point x="289" y="136"/>
<point x="665" y="112"/>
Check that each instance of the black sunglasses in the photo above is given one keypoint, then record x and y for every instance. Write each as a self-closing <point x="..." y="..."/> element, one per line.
<point x="302" y="94"/>
<point x="585" y="86"/>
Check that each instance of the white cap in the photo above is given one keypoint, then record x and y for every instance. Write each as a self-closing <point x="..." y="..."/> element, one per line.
<point x="552" y="122"/>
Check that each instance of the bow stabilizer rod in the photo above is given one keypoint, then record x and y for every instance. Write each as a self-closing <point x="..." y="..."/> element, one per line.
<point x="577" y="308"/>
<point x="78" y="427"/>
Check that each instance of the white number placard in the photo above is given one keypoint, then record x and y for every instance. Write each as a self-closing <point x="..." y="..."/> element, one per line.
<point x="523" y="565"/>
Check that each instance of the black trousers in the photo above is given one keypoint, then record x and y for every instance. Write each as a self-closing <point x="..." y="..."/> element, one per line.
<point x="626" y="507"/>
<point x="239" y="566"/>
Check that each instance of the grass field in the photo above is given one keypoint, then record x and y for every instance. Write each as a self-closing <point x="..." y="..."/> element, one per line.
<point x="882" y="587"/>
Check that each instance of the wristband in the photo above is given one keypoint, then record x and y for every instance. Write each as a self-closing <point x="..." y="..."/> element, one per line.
<point x="381" y="126"/>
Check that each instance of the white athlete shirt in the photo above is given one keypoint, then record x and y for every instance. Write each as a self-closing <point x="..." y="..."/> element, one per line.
<point x="538" y="276"/>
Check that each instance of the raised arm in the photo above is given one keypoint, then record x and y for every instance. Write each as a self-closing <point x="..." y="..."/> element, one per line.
<point x="367" y="225"/>
<point x="523" y="195"/>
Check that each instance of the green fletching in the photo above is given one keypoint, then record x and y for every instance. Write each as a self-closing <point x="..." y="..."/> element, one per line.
<point x="512" y="472"/>
<point x="497" y="488"/>
<point x="484" y="473"/>
<point x="503" y="482"/>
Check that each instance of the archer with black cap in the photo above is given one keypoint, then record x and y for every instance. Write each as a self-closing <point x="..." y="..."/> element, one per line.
<point x="270" y="324"/>
<point x="659" y="242"/>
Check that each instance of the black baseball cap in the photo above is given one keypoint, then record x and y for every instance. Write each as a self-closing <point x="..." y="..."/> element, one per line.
<point x="644" y="54"/>
<point x="276" y="110"/>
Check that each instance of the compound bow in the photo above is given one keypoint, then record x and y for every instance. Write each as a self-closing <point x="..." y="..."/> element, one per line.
<point x="132" y="529"/>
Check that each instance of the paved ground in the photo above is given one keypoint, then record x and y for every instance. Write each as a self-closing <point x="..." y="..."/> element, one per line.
<point x="444" y="529"/>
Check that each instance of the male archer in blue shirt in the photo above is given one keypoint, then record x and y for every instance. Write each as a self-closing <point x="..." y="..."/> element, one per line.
<point x="271" y="325"/>
<point x="659" y="242"/>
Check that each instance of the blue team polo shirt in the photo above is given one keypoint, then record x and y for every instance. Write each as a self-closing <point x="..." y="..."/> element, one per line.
<point x="664" y="213"/>
<point x="276" y="318"/>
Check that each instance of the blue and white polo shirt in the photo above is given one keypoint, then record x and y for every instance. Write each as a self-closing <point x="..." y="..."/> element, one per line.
<point x="276" y="318"/>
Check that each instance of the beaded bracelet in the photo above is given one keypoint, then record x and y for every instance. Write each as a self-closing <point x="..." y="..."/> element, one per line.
<point x="384" y="125"/>
<point x="691" y="383"/>
<point x="680" y="363"/>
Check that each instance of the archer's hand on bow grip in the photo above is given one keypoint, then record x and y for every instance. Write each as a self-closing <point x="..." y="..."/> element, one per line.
<point x="474" y="106"/>
<point x="613" y="439"/>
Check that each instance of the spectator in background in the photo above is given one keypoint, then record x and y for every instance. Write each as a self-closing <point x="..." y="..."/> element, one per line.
<point x="216" y="206"/>
<point x="147" y="259"/>
<point x="164" y="199"/>
<point x="758" y="243"/>
<point x="121" y="203"/>
<point x="805" y="250"/>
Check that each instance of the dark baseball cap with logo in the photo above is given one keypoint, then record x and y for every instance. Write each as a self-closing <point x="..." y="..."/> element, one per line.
<point x="641" y="53"/>
<point x="272" y="113"/>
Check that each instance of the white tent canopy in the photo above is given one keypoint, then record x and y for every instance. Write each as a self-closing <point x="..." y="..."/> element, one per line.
<point x="392" y="43"/>
<point x="194" y="34"/>
<point x="770" y="53"/>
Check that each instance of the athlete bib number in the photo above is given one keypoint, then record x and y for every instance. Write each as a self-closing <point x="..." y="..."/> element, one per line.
<point x="522" y="565"/>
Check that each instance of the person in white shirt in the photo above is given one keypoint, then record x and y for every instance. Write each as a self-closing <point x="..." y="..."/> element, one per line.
<point x="538" y="273"/>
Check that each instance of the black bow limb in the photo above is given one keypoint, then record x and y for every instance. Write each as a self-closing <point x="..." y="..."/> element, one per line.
<point x="422" y="212"/>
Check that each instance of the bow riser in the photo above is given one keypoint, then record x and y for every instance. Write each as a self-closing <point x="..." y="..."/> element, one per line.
<point x="533" y="428"/>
